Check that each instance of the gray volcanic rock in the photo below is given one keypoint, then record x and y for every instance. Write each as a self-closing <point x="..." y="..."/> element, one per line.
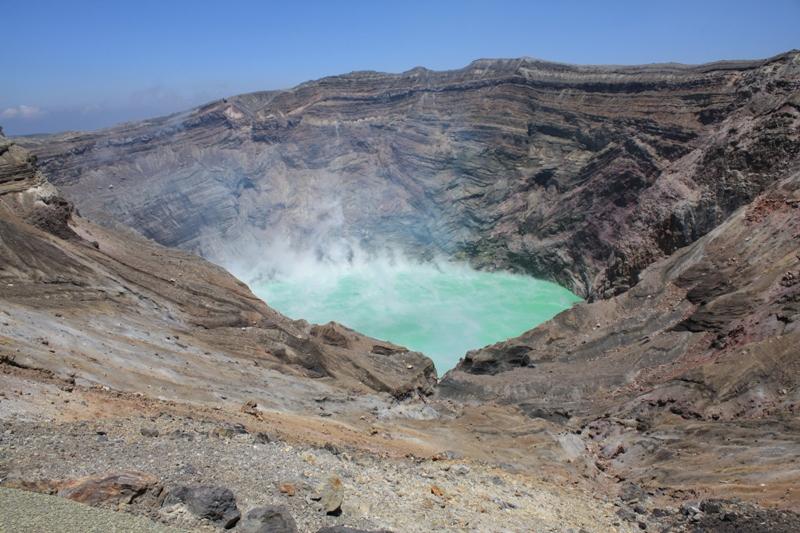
<point x="108" y="307"/>
<point x="584" y="175"/>
<point x="275" y="519"/>
<point x="216" y="504"/>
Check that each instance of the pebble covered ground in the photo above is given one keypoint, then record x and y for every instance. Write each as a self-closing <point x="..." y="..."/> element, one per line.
<point x="406" y="494"/>
<point x="32" y="512"/>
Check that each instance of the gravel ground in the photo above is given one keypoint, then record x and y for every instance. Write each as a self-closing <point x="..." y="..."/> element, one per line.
<point x="405" y="495"/>
<point x="30" y="512"/>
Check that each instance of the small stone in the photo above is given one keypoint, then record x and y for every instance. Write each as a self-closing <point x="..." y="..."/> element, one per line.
<point x="180" y="434"/>
<point x="461" y="470"/>
<point x="188" y="469"/>
<point x="612" y="450"/>
<point x="626" y="514"/>
<point x="447" y="455"/>
<point x="261" y="438"/>
<point x="632" y="492"/>
<point x="331" y="495"/>
<point x="309" y="457"/>
<point x="660" y="513"/>
<point x="332" y="448"/>
<point x="711" y="507"/>
<point x="437" y="491"/>
<point x="149" y="431"/>
<point x="222" y="432"/>
<point x="502" y="504"/>
<point x="689" y="509"/>
<point x="250" y="407"/>
<point x="287" y="488"/>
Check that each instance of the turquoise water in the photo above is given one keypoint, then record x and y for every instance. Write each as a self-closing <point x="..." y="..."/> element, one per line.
<point x="441" y="310"/>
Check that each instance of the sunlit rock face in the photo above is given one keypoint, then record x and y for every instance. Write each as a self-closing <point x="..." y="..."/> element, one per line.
<point x="583" y="175"/>
<point x="438" y="308"/>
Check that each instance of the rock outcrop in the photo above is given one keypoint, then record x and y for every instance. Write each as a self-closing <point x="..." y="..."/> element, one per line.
<point x="584" y="175"/>
<point x="660" y="381"/>
<point x="107" y="307"/>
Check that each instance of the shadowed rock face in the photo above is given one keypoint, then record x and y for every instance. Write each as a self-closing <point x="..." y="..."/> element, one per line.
<point x="109" y="307"/>
<point x="583" y="175"/>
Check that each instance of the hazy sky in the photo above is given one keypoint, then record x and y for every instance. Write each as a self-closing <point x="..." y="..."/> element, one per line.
<point x="90" y="64"/>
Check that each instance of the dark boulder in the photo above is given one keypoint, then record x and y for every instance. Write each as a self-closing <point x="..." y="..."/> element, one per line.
<point x="270" y="519"/>
<point x="216" y="504"/>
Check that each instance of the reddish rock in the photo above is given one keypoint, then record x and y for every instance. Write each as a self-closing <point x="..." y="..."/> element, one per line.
<point x="111" y="487"/>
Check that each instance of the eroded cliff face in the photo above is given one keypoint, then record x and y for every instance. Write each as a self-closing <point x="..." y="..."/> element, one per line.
<point x="583" y="175"/>
<point x="111" y="308"/>
<point x="690" y="377"/>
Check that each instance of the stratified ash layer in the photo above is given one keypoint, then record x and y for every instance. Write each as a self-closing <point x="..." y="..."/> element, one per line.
<point x="111" y="307"/>
<point x="583" y="175"/>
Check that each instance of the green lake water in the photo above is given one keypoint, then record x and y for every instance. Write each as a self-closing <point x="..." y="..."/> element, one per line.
<point x="441" y="310"/>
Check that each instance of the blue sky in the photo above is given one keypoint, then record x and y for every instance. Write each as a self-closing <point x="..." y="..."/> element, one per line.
<point x="89" y="64"/>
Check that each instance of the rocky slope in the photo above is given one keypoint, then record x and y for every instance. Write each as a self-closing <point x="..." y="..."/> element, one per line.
<point x="692" y="376"/>
<point x="144" y="379"/>
<point x="584" y="175"/>
<point x="673" y="192"/>
<point x="107" y="306"/>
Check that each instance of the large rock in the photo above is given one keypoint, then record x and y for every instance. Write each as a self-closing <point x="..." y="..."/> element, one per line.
<point x="112" y="487"/>
<point x="216" y="504"/>
<point x="270" y="519"/>
<point x="331" y="495"/>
